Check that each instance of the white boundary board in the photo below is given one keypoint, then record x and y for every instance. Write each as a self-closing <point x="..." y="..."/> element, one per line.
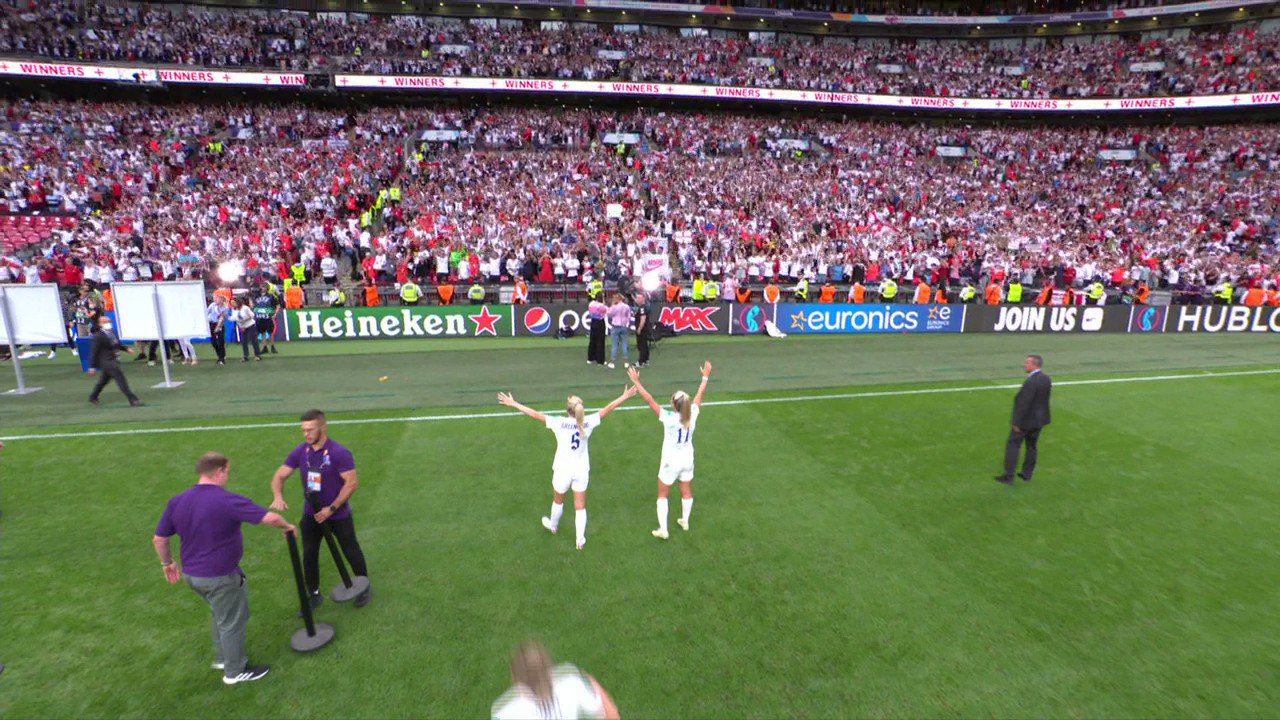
<point x="181" y="307"/>
<point x="37" y="315"/>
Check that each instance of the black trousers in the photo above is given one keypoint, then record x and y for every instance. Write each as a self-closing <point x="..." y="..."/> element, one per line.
<point x="1013" y="447"/>
<point x="595" y="346"/>
<point x="642" y="345"/>
<point x="218" y="339"/>
<point x="106" y="375"/>
<point x="312" y="537"/>
<point x="249" y="336"/>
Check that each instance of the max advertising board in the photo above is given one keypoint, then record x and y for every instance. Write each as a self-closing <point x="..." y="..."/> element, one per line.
<point x="1050" y="319"/>
<point x="847" y="319"/>
<point x="544" y="320"/>
<point x="399" y="322"/>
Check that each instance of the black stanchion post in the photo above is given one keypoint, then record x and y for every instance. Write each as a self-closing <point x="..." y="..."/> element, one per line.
<point x="351" y="587"/>
<point x="314" y="635"/>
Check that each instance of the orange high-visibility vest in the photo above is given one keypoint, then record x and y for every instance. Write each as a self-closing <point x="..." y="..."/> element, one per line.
<point x="744" y="294"/>
<point x="446" y="294"/>
<point x="771" y="293"/>
<point x="108" y="300"/>
<point x="1045" y="295"/>
<point x="223" y="293"/>
<point x="940" y="297"/>
<point x="859" y="293"/>
<point x="923" y="291"/>
<point x="371" y="296"/>
<point x="521" y="295"/>
<point x="1144" y="294"/>
<point x="673" y="293"/>
<point x="1254" y="297"/>
<point x="1273" y="297"/>
<point x="293" y="297"/>
<point x="993" y="294"/>
<point x="827" y="294"/>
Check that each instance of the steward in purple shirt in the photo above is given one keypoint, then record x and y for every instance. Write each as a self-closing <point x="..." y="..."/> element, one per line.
<point x="328" y="480"/>
<point x="206" y="518"/>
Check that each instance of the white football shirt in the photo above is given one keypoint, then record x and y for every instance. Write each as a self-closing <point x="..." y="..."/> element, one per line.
<point x="572" y="697"/>
<point x="571" y="444"/>
<point x="677" y="440"/>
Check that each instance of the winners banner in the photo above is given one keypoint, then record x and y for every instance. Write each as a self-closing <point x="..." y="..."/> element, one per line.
<point x="399" y="322"/>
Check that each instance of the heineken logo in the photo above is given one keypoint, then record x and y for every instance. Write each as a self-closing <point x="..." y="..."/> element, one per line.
<point x="399" y="322"/>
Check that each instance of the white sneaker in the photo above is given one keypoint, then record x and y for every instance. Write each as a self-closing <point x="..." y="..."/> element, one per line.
<point x="151" y="363"/>
<point x="660" y="534"/>
<point x="684" y="524"/>
<point x="610" y="366"/>
<point x="546" y="523"/>
<point x="53" y="354"/>
<point x="249" y="675"/>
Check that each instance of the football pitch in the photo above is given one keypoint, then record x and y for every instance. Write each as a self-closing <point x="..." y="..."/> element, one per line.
<point x="849" y="553"/>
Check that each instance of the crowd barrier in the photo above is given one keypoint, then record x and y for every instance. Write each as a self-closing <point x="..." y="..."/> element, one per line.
<point x="545" y="320"/>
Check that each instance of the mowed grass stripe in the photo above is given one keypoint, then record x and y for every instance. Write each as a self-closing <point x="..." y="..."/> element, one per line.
<point x="748" y="401"/>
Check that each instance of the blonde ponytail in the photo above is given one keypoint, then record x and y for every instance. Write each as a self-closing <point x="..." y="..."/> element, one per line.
<point x="575" y="409"/>
<point x="680" y="401"/>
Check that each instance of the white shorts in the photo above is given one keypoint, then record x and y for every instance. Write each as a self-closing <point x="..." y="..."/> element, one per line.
<point x="563" y="480"/>
<point x="670" y="472"/>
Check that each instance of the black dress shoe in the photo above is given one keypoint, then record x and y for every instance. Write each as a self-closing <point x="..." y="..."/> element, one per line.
<point x="94" y="401"/>
<point x="1025" y="477"/>
<point x="1004" y="479"/>
<point x="136" y="403"/>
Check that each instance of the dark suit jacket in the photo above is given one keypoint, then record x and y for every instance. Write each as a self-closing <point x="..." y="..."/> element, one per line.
<point x="1031" y="405"/>
<point x="102" y="353"/>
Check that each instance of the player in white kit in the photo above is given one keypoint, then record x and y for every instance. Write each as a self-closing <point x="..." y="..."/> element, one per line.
<point x="571" y="468"/>
<point x="546" y="692"/>
<point x="677" y="447"/>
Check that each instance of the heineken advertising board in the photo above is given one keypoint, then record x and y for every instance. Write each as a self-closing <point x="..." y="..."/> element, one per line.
<point x="399" y="322"/>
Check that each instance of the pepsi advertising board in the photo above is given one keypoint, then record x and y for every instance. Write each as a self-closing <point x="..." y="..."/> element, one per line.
<point x="545" y="320"/>
<point x="809" y="318"/>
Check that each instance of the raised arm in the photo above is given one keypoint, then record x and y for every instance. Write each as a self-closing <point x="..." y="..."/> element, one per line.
<point x="506" y="399"/>
<point x="702" y="386"/>
<point x="634" y="374"/>
<point x="627" y="394"/>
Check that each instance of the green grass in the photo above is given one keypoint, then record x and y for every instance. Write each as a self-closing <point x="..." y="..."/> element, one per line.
<point x="848" y="557"/>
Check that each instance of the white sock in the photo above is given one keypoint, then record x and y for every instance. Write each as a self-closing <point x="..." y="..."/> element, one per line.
<point x="557" y="509"/>
<point x="580" y="522"/>
<point x="662" y="514"/>
<point x="686" y="505"/>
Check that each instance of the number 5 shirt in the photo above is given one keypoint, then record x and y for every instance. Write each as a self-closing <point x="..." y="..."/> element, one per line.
<point x="571" y="444"/>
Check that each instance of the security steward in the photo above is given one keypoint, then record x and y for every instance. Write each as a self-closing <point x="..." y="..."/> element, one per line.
<point x="410" y="293"/>
<point x="475" y="294"/>
<point x="888" y="290"/>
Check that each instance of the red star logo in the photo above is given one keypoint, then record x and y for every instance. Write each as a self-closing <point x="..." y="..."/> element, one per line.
<point x="770" y="93"/>
<point x="343" y="80"/>
<point x="1189" y="102"/>
<point x="1235" y="99"/>
<point x="804" y="96"/>
<point x="266" y="79"/>
<point x="599" y="86"/>
<point x="1106" y="104"/>
<point x="900" y="101"/>
<point x="965" y="103"/>
<point x="99" y="72"/>
<point x="564" y="86"/>
<point x="4" y="66"/>
<point x="226" y="77"/>
<point x="1069" y="103"/>
<point x="486" y="322"/>
<point x="999" y="103"/>
<point x="457" y="82"/>
<point x="382" y="81"/>
<point x="670" y="89"/>
<point x="493" y="83"/>
<point x="704" y="91"/>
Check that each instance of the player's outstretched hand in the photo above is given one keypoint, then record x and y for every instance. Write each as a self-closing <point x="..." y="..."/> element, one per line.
<point x="706" y="369"/>
<point x="634" y="374"/>
<point x="629" y="393"/>
<point x="506" y="399"/>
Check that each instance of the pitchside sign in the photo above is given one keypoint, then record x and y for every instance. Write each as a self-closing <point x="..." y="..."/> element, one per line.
<point x="850" y="319"/>
<point x="683" y="319"/>
<point x="399" y="322"/>
<point x="1206" y="318"/>
<point x="1040" y="318"/>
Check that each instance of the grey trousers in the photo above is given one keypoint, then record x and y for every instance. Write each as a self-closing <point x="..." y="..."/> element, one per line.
<point x="228" y="596"/>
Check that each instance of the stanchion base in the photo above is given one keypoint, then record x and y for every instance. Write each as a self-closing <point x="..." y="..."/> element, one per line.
<point x="169" y="385"/>
<point x="342" y="593"/>
<point x="302" y="642"/>
<point x="23" y="391"/>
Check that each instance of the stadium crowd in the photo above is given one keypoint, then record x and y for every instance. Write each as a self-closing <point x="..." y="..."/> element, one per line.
<point x="1221" y="59"/>
<point x="183" y="190"/>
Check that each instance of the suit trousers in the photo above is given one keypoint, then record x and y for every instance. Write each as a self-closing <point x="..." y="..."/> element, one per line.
<point x="228" y="598"/>
<point x="1013" y="447"/>
<point x="106" y="375"/>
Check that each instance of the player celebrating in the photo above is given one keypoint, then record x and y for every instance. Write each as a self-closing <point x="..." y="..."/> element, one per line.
<point x="572" y="464"/>
<point x="677" y="446"/>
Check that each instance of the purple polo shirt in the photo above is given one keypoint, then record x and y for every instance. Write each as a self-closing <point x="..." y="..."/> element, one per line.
<point x="206" y="518"/>
<point x="323" y="467"/>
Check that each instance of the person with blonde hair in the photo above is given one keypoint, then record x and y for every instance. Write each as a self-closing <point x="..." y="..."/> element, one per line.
<point x="543" y="691"/>
<point x="677" y="446"/>
<point x="572" y="465"/>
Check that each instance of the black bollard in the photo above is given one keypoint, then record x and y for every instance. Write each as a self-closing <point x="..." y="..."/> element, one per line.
<point x="314" y="635"/>
<point x="350" y="587"/>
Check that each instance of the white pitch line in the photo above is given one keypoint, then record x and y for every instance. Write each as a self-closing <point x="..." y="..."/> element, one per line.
<point x="751" y="401"/>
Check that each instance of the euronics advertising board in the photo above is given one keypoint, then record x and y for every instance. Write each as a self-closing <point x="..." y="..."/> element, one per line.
<point x="835" y="318"/>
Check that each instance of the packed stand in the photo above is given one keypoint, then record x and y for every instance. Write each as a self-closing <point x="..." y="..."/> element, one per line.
<point x="1219" y="60"/>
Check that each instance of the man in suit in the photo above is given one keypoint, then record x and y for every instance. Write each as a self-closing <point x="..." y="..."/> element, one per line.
<point x="1030" y="415"/>
<point x="102" y="359"/>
